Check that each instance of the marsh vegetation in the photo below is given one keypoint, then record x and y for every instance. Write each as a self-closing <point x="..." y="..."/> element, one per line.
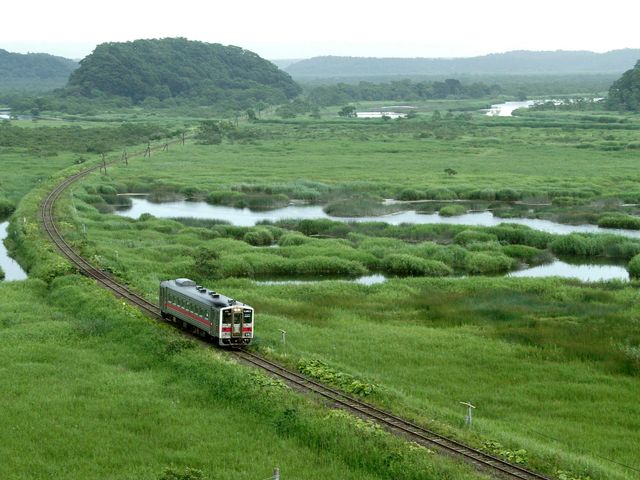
<point x="533" y="354"/>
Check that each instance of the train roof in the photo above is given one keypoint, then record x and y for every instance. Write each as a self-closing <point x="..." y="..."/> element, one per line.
<point x="190" y="289"/>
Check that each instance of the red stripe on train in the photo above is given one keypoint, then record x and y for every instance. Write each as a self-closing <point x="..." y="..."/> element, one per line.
<point x="188" y="314"/>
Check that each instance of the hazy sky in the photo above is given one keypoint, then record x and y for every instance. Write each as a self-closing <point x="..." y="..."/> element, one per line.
<point x="299" y="29"/>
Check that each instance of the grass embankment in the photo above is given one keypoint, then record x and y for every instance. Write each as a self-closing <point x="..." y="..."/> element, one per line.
<point x="537" y="356"/>
<point x="106" y="392"/>
<point x="428" y="344"/>
<point x="552" y="365"/>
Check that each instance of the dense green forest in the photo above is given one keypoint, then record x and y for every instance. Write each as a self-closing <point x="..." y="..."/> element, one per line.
<point x="624" y="94"/>
<point x="180" y="71"/>
<point x="33" y="71"/>
<point x="509" y="63"/>
<point x="325" y="95"/>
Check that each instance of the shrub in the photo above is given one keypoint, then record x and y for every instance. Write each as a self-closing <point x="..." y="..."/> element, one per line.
<point x="402" y="264"/>
<point x="107" y="190"/>
<point x="318" y="265"/>
<point x="258" y="237"/>
<point x="235" y="266"/>
<point x="634" y="267"/>
<point x="320" y="370"/>
<point x="526" y="254"/>
<point x="360" y="206"/>
<point x="452" y="210"/>
<point x="171" y="473"/>
<point x="508" y="195"/>
<point x="472" y="236"/>
<point x="483" y="263"/>
<point x="1" y="274"/>
<point x="575" y="244"/>
<point x="225" y="197"/>
<point x="619" y="220"/>
<point x="521" y="235"/>
<point x="292" y="239"/>
<point x="7" y="207"/>
<point x="191" y="192"/>
<point x="485" y="194"/>
<point x="410" y="194"/>
<point x="440" y="194"/>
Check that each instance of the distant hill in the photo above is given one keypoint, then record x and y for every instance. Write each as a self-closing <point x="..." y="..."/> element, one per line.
<point x="181" y="70"/>
<point x="283" y="63"/>
<point x="510" y="63"/>
<point x="624" y="94"/>
<point x="33" y="71"/>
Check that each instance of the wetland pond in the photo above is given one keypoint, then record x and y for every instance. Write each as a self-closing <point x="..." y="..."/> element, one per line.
<point x="12" y="270"/>
<point x="244" y="217"/>
<point x="247" y="218"/>
<point x="506" y="109"/>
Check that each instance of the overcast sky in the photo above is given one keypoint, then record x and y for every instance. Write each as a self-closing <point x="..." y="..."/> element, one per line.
<point x="278" y="29"/>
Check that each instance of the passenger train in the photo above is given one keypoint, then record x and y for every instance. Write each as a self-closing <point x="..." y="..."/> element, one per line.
<point x="227" y="321"/>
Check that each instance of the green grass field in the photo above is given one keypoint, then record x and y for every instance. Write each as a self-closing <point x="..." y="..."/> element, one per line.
<point x="552" y="365"/>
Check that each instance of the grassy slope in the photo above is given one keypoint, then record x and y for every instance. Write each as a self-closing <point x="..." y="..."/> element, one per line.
<point x="387" y="158"/>
<point x="91" y="389"/>
<point x="539" y="388"/>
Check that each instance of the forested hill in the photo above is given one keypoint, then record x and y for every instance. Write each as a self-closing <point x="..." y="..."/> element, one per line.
<point x="510" y="63"/>
<point x="177" y="69"/>
<point x="624" y="94"/>
<point x="33" y="71"/>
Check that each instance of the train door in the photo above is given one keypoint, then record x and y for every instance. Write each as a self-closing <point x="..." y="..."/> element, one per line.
<point x="236" y="326"/>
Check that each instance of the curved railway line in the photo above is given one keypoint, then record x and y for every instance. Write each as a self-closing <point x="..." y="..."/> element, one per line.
<point x="391" y="422"/>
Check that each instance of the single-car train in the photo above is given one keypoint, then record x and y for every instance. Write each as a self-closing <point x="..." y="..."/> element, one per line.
<point x="227" y="321"/>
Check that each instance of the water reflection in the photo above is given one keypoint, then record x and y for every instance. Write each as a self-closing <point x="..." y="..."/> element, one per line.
<point x="247" y="218"/>
<point x="585" y="273"/>
<point x="11" y="268"/>
<point x="366" y="280"/>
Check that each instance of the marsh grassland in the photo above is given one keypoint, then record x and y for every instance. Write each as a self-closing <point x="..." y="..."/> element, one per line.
<point x="552" y="365"/>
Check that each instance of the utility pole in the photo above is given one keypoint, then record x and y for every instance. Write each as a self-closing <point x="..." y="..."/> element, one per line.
<point x="125" y="157"/>
<point x="283" y="336"/>
<point x="104" y="163"/>
<point x="165" y="147"/>
<point x="147" y="152"/>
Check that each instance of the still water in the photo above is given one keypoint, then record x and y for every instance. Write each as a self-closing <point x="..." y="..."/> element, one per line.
<point x="12" y="271"/>
<point x="366" y="280"/>
<point x="391" y="115"/>
<point x="557" y="268"/>
<point x="247" y="218"/>
<point x="506" y="109"/>
<point x="584" y="272"/>
<point x="5" y="114"/>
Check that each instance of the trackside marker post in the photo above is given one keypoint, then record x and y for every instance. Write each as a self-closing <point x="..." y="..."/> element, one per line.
<point x="469" y="417"/>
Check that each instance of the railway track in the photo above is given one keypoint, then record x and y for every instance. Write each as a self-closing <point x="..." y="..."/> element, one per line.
<point x="389" y="421"/>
